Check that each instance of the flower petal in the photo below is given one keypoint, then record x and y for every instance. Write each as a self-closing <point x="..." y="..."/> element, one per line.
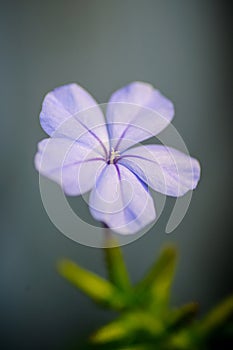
<point x="165" y="169"/>
<point x="70" y="111"/>
<point x="72" y="165"/>
<point x="121" y="200"/>
<point x="137" y="112"/>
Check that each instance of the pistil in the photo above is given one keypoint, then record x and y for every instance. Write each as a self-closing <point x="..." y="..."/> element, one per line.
<point x="114" y="154"/>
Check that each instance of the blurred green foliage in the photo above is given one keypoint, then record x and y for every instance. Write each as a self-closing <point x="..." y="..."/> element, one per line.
<point x="146" y="320"/>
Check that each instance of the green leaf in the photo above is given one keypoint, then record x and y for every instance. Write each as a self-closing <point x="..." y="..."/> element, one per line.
<point x="197" y="334"/>
<point x="97" y="288"/>
<point x="181" y="340"/>
<point x="117" y="270"/>
<point x="128" y="326"/>
<point x="154" y="289"/>
<point x="183" y="315"/>
<point x="217" y="318"/>
<point x="138" y="347"/>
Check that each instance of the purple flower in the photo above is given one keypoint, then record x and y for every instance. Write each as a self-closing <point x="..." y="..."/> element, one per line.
<point x="85" y="152"/>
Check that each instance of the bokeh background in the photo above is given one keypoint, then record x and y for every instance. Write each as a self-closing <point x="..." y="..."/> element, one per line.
<point x="181" y="47"/>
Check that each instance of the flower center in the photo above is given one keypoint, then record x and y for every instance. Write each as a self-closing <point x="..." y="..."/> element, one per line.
<point x="113" y="156"/>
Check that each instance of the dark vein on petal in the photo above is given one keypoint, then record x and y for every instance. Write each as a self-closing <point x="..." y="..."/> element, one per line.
<point x="77" y="163"/>
<point x="128" y="126"/>
<point x="122" y="136"/>
<point x="121" y="191"/>
<point x="95" y="136"/>
<point x="138" y="157"/>
<point x="127" y="208"/>
<point x="170" y="173"/>
<point x="118" y="171"/>
<point x="77" y="141"/>
<point x="141" y="181"/>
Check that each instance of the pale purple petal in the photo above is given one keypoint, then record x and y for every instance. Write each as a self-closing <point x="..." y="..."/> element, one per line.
<point x="71" y="111"/>
<point x="165" y="169"/>
<point x="137" y="112"/>
<point x="121" y="201"/>
<point x="72" y="165"/>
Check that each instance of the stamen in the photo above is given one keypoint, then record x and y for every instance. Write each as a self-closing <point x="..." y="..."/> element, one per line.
<point x="114" y="154"/>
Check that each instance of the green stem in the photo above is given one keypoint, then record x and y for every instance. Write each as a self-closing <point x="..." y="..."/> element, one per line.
<point x="117" y="270"/>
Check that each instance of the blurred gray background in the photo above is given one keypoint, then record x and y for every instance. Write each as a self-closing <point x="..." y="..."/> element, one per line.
<point x="181" y="47"/>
